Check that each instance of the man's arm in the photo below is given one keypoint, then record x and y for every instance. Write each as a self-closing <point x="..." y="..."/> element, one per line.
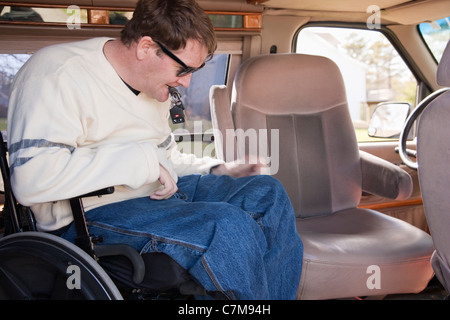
<point x="236" y="169"/>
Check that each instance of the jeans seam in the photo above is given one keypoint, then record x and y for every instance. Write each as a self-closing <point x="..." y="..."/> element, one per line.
<point x="153" y="238"/>
<point x="150" y="246"/>
<point x="214" y="280"/>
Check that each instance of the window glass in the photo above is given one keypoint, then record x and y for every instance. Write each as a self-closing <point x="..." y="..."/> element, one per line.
<point x="120" y="17"/>
<point x="372" y="70"/>
<point x="436" y="35"/>
<point x="196" y="97"/>
<point x="227" y="21"/>
<point x="197" y="130"/>
<point x="36" y="14"/>
<point x="9" y="65"/>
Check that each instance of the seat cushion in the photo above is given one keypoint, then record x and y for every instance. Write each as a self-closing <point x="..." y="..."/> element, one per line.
<point x="340" y="250"/>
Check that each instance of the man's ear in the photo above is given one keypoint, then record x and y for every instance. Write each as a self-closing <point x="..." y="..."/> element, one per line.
<point x="145" y="46"/>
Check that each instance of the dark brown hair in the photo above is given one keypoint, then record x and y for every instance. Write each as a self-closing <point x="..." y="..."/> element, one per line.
<point x="171" y="22"/>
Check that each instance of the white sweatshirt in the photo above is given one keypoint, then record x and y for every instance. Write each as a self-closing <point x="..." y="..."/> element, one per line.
<point x="75" y="127"/>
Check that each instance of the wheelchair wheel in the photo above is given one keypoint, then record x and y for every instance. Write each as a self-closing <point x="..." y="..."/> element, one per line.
<point x="40" y="266"/>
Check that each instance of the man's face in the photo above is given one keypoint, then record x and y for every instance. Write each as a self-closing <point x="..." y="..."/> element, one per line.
<point x="159" y="70"/>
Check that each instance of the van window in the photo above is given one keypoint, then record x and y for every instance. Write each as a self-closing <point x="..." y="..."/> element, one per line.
<point x="196" y="134"/>
<point x="9" y="65"/>
<point x="372" y="69"/>
<point x="196" y="97"/>
<point x="436" y="35"/>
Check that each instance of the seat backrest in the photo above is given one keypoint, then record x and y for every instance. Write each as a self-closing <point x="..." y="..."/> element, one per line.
<point x="300" y="100"/>
<point x="433" y="157"/>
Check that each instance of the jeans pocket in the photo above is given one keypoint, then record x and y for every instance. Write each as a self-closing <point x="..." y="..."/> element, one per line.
<point x="180" y="195"/>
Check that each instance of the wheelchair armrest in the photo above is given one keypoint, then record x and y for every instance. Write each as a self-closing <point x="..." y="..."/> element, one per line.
<point x="98" y="193"/>
<point x="127" y="251"/>
<point x="84" y="240"/>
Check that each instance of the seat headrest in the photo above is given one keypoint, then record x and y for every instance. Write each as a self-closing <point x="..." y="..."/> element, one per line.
<point x="288" y="84"/>
<point x="443" y="71"/>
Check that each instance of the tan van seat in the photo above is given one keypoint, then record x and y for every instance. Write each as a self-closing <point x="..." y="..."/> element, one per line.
<point x="433" y="167"/>
<point x="348" y="251"/>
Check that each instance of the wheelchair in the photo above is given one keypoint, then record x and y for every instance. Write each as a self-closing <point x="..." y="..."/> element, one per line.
<point x="36" y="265"/>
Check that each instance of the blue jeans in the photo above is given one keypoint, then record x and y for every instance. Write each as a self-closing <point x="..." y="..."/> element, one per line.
<point x="236" y="236"/>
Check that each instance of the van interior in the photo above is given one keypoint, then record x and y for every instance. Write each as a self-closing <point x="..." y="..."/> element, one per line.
<point x="322" y="91"/>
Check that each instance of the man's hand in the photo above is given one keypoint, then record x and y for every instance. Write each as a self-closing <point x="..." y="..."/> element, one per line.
<point x="238" y="169"/>
<point x="169" y="186"/>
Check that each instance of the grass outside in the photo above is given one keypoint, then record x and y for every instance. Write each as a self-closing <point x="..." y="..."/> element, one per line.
<point x="2" y="124"/>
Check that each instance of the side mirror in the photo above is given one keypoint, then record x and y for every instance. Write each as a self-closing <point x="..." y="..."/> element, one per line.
<point x="388" y="119"/>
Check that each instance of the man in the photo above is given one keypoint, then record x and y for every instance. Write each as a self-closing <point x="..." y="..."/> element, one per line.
<point x="93" y="114"/>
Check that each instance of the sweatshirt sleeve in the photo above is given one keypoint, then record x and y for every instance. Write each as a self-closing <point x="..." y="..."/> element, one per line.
<point x="187" y="163"/>
<point x="49" y="157"/>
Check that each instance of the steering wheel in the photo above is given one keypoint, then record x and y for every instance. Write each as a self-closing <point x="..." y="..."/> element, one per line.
<point x="405" y="154"/>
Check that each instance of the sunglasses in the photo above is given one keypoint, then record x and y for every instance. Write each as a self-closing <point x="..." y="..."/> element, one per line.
<point x="185" y="70"/>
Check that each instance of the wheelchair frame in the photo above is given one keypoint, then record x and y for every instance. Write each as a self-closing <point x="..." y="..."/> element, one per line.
<point x="25" y="250"/>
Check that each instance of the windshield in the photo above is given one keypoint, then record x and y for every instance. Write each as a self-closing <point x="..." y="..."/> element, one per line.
<point x="436" y="35"/>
